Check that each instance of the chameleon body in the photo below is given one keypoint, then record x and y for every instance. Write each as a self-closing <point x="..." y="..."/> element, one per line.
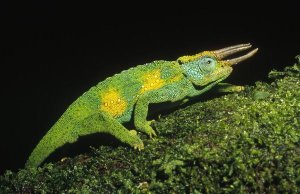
<point x="126" y="96"/>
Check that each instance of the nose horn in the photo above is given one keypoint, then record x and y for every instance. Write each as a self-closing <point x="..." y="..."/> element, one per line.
<point x="225" y="52"/>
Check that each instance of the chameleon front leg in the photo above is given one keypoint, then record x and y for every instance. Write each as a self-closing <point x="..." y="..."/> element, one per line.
<point x="225" y="87"/>
<point x="169" y="93"/>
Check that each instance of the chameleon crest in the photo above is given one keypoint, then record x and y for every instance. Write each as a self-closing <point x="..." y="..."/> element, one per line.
<point x="125" y="96"/>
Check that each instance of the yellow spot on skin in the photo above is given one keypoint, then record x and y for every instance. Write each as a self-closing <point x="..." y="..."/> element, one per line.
<point x="151" y="81"/>
<point x="108" y="98"/>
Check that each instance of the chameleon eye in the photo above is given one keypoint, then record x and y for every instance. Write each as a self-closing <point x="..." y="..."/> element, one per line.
<point x="207" y="65"/>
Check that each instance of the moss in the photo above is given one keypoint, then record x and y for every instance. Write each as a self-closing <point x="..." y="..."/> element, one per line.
<point x="238" y="143"/>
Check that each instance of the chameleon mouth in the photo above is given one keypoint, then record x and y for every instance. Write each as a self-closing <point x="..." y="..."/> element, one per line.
<point x="225" y="52"/>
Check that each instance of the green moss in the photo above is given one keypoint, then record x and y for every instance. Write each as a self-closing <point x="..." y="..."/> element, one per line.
<point x="238" y="143"/>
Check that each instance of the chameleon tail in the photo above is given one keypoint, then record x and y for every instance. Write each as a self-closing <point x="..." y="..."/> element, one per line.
<point x="56" y="137"/>
<point x="63" y="131"/>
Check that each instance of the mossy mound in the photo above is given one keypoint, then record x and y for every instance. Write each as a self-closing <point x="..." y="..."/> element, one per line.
<point x="246" y="142"/>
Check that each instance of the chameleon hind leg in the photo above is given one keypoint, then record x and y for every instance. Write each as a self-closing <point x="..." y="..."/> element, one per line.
<point x="102" y="122"/>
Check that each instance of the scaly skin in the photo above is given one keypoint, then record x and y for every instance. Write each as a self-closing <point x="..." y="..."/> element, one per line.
<point x="126" y="96"/>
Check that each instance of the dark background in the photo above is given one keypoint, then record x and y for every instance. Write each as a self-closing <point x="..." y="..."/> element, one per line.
<point x="52" y="53"/>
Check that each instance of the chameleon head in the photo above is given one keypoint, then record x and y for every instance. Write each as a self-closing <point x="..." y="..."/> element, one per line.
<point x="210" y="66"/>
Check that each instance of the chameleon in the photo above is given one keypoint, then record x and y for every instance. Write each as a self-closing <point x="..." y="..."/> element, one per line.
<point x="124" y="97"/>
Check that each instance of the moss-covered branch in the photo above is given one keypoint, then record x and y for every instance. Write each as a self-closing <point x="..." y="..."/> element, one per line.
<point x="238" y="143"/>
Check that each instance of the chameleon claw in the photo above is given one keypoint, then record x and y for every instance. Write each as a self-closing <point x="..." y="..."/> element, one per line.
<point x="136" y="143"/>
<point x="138" y="147"/>
<point x="151" y="121"/>
<point x="152" y="134"/>
<point x="149" y="129"/>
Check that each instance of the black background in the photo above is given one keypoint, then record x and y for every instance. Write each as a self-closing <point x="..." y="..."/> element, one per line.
<point x="52" y="52"/>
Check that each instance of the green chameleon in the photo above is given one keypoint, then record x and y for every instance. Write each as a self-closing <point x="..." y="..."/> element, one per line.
<point x="125" y="96"/>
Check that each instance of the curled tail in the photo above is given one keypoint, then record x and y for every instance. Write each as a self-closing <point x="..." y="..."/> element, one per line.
<point x="57" y="136"/>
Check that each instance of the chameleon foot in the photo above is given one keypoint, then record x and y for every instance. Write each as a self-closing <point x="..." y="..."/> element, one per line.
<point x="135" y="141"/>
<point x="148" y="129"/>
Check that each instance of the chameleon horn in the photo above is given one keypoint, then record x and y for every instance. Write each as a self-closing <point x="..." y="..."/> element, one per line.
<point x="241" y="58"/>
<point x="222" y="53"/>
